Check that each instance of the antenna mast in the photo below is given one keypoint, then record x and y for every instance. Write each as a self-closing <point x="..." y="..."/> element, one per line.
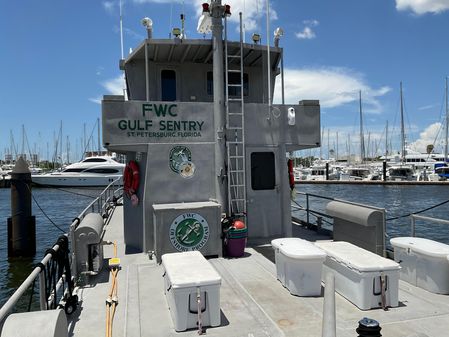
<point x="402" y="127"/>
<point x="447" y="125"/>
<point x="268" y="59"/>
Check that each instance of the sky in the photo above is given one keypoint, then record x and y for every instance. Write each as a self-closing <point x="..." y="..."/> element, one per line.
<point x="58" y="57"/>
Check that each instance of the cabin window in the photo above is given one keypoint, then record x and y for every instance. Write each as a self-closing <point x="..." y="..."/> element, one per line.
<point x="102" y="170"/>
<point x="233" y="78"/>
<point x="263" y="174"/>
<point x="168" y="85"/>
<point x="94" y="160"/>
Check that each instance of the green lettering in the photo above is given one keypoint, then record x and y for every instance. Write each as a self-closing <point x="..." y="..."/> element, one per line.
<point x="162" y="126"/>
<point x="200" y="124"/>
<point x="173" y="114"/>
<point x="160" y="109"/>
<point x="122" y="124"/>
<point x="146" y="108"/>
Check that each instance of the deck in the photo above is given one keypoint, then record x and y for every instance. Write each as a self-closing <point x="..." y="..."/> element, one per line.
<point x="253" y="301"/>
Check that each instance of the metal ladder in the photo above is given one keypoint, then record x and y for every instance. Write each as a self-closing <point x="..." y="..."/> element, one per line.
<point x="235" y="125"/>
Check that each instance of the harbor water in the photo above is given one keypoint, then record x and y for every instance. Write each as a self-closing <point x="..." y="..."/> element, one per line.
<point x="62" y="205"/>
<point x="59" y="205"/>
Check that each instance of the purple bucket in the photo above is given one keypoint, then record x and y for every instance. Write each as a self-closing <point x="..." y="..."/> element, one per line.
<point x="235" y="247"/>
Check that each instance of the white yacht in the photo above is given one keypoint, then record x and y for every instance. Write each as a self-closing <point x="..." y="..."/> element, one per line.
<point x="90" y="172"/>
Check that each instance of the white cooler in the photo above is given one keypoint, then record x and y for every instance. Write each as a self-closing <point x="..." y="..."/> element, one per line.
<point x="298" y="265"/>
<point x="185" y="274"/>
<point x="424" y="263"/>
<point x="358" y="274"/>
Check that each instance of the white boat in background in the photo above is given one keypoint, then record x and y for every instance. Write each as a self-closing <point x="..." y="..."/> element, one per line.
<point x="90" y="172"/>
<point x="401" y="173"/>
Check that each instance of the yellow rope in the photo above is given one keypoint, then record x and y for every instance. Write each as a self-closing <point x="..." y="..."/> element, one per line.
<point x="111" y="302"/>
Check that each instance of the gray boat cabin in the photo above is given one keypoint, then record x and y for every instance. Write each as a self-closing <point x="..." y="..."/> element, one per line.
<point x="198" y="120"/>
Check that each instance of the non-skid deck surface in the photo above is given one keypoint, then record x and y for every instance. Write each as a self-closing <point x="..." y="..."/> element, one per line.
<point x="253" y="303"/>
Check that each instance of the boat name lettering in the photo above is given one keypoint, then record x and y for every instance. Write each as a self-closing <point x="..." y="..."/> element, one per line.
<point x="159" y="109"/>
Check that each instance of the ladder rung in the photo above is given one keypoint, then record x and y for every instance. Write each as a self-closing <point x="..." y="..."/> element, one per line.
<point x="236" y="171"/>
<point x="237" y="199"/>
<point x="234" y="99"/>
<point x="235" y="128"/>
<point x="235" y="142"/>
<point x="234" y="71"/>
<point x="234" y="56"/>
<point x="234" y="85"/>
<point x="235" y="113"/>
<point x="236" y="157"/>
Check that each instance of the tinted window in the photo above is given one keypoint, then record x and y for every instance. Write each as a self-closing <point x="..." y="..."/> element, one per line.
<point x="94" y="160"/>
<point x="168" y="85"/>
<point x="73" y="170"/>
<point x="102" y="170"/>
<point x="263" y="171"/>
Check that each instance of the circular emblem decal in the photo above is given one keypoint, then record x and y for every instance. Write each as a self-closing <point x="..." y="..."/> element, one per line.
<point x="180" y="161"/>
<point x="189" y="231"/>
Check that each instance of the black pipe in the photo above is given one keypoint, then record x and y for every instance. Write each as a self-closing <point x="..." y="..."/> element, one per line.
<point x="21" y="224"/>
<point x="384" y="170"/>
<point x="327" y="171"/>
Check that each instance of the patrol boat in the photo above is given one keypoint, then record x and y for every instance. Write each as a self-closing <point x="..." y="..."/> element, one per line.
<point x="207" y="152"/>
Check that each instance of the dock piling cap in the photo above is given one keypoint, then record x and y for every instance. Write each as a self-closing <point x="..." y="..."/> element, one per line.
<point x="21" y="166"/>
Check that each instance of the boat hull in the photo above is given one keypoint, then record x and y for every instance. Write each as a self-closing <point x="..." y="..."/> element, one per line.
<point x="74" y="181"/>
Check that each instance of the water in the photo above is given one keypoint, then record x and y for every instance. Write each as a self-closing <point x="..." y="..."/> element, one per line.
<point x="61" y="206"/>
<point x="398" y="200"/>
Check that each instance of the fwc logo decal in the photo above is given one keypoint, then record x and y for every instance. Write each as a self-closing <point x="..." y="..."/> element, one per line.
<point x="189" y="231"/>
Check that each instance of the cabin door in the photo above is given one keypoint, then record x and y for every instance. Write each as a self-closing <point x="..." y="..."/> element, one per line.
<point x="263" y="192"/>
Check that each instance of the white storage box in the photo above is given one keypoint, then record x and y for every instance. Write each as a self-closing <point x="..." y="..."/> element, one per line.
<point x="360" y="273"/>
<point x="298" y="265"/>
<point x="185" y="274"/>
<point x="424" y="263"/>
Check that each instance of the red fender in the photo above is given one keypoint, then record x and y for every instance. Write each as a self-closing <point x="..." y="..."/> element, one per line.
<point x="131" y="178"/>
<point x="291" y="175"/>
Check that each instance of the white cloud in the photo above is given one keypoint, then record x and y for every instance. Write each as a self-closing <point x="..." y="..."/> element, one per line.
<point x="109" y="6"/>
<point x="333" y="86"/>
<point x="427" y="107"/>
<point x="96" y="100"/>
<point x="428" y="136"/>
<point x="113" y="86"/>
<point x="311" y="23"/>
<point x="306" y="34"/>
<point x="423" y="6"/>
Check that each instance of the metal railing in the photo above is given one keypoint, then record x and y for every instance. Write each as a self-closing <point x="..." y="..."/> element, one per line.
<point x="103" y="204"/>
<point x="414" y="217"/>
<point x="320" y="215"/>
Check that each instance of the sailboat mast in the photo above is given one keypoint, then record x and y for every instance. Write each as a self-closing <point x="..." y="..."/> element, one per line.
<point x="386" y="141"/>
<point x="402" y="128"/>
<point x="362" y="141"/>
<point x="447" y="125"/>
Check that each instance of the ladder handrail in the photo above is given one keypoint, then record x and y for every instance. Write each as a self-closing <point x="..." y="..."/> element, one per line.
<point x="236" y="146"/>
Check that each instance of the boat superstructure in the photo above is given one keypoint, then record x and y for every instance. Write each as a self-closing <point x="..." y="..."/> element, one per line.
<point x="89" y="172"/>
<point x="200" y="124"/>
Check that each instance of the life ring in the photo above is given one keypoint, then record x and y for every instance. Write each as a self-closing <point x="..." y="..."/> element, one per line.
<point x="131" y="178"/>
<point x="291" y="175"/>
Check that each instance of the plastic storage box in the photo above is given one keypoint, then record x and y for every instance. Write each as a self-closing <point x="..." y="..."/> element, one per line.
<point x="424" y="263"/>
<point x="298" y="266"/>
<point x="185" y="274"/>
<point x="359" y="274"/>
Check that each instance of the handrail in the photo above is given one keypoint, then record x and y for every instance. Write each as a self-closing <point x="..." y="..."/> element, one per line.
<point x="319" y="215"/>
<point x="414" y="217"/>
<point x="9" y="305"/>
<point x="101" y="205"/>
